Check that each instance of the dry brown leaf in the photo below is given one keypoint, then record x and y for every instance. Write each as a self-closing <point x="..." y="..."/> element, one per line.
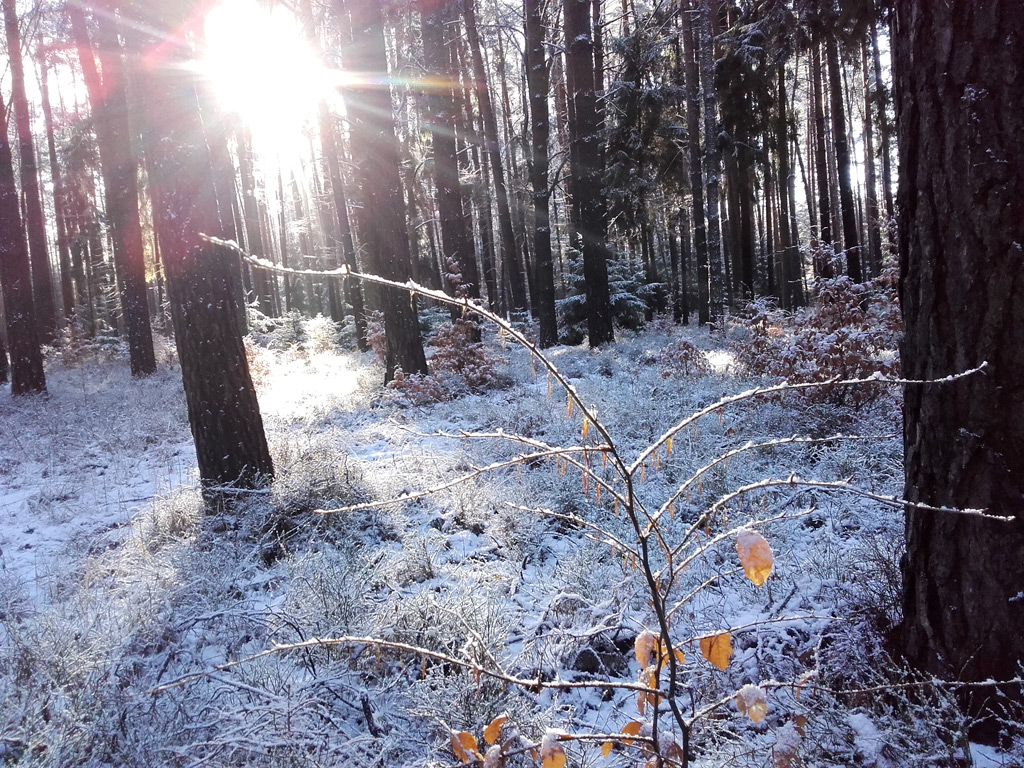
<point x="717" y="649"/>
<point x="493" y="730"/>
<point x="606" y="748"/>
<point x="464" y="746"/>
<point x="755" y="556"/>
<point x="645" y="646"/>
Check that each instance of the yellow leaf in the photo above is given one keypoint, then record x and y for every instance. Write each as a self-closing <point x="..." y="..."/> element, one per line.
<point x="668" y="447"/>
<point x="464" y="746"/>
<point x="680" y="656"/>
<point x="606" y="748"/>
<point x="493" y="730"/>
<point x="632" y="728"/>
<point x="570" y="404"/>
<point x="552" y="755"/>
<point x="717" y="649"/>
<point x="586" y="427"/>
<point x="644" y="646"/>
<point x="751" y="701"/>
<point x="755" y="556"/>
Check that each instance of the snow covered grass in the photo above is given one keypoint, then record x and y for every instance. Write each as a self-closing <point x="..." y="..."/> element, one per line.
<point x="120" y="595"/>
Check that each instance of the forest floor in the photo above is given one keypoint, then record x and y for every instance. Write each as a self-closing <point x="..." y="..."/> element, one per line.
<point x="120" y="594"/>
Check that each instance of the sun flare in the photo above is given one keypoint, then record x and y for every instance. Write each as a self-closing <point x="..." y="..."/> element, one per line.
<point x="263" y="69"/>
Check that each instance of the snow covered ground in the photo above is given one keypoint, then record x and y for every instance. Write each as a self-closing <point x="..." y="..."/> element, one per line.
<point x="120" y="596"/>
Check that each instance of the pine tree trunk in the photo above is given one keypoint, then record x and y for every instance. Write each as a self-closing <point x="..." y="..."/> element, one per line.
<point x="506" y="239"/>
<point x="120" y="180"/>
<point x="848" y="210"/>
<point x="700" y="234"/>
<point x="787" y="238"/>
<point x="382" y="222"/>
<point x="224" y="414"/>
<point x="251" y="221"/>
<point x="540" y="127"/>
<point x="822" y="263"/>
<point x="960" y="119"/>
<point x="440" y="108"/>
<point x="27" y="376"/>
<point x="712" y="164"/>
<point x="874" y="252"/>
<point x="584" y="161"/>
<point x="67" y="287"/>
<point x="42" y="283"/>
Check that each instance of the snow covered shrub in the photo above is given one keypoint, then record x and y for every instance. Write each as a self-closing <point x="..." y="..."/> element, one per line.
<point x="415" y="389"/>
<point x="322" y="335"/>
<point x="851" y="332"/>
<point x="312" y="474"/>
<point x="681" y="358"/>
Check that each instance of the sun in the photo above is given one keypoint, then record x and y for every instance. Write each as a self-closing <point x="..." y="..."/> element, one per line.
<point x="263" y="70"/>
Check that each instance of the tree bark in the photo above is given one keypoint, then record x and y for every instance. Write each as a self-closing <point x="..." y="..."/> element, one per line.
<point x="960" y="118"/>
<point x="584" y="161"/>
<point x="440" y="106"/>
<point x="224" y="414"/>
<point x="27" y="376"/>
<point x="848" y="211"/>
<point x="537" y="74"/>
<point x="42" y="283"/>
<point x="120" y="178"/>
<point x="712" y="162"/>
<point x="700" y="234"/>
<point x="374" y="147"/>
<point x="67" y="287"/>
<point x="506" y="239"/>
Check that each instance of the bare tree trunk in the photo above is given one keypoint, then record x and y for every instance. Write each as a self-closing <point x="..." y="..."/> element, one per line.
<point x="960" y="119"/>
<point x="848" y="210"/>
<point x="374" y="147"/>
<point x="224" y="414"/>
<point x="42" y="284"/>
<point x="67" y="287"/>
<point x="584" y="159"/>
<point x="27" y="376"/>
<point x="712" y="162"/>
<point x="540" y="126"/>
<point x="120" y="179"/>
<point x="440" y="106"/>
<point x="691" y="43"/>
<point x="507" y="240"/>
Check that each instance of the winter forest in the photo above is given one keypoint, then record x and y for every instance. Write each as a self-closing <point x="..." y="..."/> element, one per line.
<point x="512" y="383"/>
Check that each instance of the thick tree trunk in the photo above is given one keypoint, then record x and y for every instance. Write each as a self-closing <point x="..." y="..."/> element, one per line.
<point x="960" y="117"/>
<point x="224" y="414"/>
<point x="848" y="211"/>
<point x="537" y="73"/>
<point x="27" y="376"/>
<point x="584" y="161"/>
<point x="374" y="147"/>
<point x="120" y="179"/>
<point x="42" y="283"/>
